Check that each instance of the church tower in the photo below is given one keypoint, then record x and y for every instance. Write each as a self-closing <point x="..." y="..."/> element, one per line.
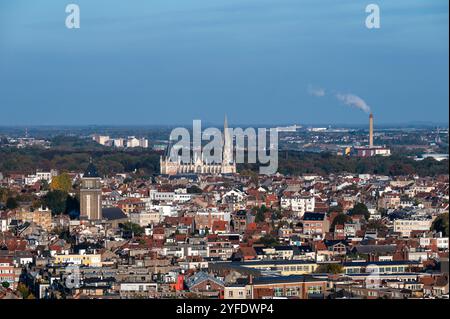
<point x="91" y="194"/>
<point x="200" y="165"/>
<point x="228" y="164"/>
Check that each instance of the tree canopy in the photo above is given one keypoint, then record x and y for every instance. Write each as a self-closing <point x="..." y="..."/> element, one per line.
<point x="359" y="209"/>
<point x="11" y="203"/>
<point x="261" y="213"/>
<point x="340" y="219"/>
<point x="62" y="183"/>
<point x="56" y="201"/>
<point x="268" y="240"/>
<point x="330" y="269"/>
<point x="440" y="224"/>
<point x="132" y="227"/>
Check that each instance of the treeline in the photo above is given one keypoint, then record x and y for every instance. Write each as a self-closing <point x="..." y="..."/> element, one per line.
<point x="108" y="161"/>
<point x="145" y="162"/>
<point x="296" y="163"/>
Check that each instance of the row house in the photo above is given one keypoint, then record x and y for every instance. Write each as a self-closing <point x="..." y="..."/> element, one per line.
<point x="205" y="218"/>
<point x="406" y="226"/>
<point x="130" y="205"/>
<point x="315" y="223"/>
<point x="8" y="272"/>
<point x="294" y="286"/>
<point x="439" y="241"/>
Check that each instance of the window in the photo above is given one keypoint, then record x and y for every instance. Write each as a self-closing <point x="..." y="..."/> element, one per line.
<point x="314" y="290"/>
<point x="278" y="292"/>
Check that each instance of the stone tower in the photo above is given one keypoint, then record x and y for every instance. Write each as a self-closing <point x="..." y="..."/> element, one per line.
<point x="91" y="194"/>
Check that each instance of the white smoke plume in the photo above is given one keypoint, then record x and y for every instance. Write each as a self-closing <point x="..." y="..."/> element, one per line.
<point x="353" y="100"/>
<point x="348" y="98"/>
<point x="319" y="92"/>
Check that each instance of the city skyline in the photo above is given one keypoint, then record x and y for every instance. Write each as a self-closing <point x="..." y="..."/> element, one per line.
<point x="169" y="63"/>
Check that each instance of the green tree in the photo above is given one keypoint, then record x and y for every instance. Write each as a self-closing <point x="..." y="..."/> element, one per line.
<point x="261" y="213"/>
<point x="194" y="189"/>
<point x="11" y="203"/>
<point x="330" y="269"/>
<point x="259" y="217"/>
<point x="56" y="201"/>
<point x="72" y="204"/>
<point x="134" y="228"/>
<point x="4" y="194"/>
<point x="360" y="209"/>
<point x="340" y="219"/>
<point x="268" y="240"/>
<point x="440" y="224"/>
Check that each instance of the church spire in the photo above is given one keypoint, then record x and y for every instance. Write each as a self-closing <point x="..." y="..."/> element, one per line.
<point x="226" y="156"/>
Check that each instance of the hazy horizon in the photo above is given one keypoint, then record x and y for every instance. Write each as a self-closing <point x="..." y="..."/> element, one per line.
<point x="205" y="124"/>
<point x="279" y="62"/>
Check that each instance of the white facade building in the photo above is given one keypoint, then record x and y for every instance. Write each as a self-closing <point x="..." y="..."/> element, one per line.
<point x="298" y="204"/>
<point x="406" y="226"/>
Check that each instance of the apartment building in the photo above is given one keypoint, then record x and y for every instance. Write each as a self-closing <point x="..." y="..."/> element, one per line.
<point x="406" y="226"/>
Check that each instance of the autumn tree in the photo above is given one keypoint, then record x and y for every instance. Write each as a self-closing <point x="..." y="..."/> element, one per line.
<point x="24" y="291"/>
<point x="62" y="182"/>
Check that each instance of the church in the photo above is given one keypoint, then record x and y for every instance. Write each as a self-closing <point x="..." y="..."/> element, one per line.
<point x="198" y="165"/>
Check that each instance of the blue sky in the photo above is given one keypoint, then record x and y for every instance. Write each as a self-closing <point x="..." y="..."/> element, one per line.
<point x="171" y="61"/>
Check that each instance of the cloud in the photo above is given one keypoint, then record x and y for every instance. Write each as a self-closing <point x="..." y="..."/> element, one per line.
<point x="354" y="101"/>
<point x="319" y="92"/>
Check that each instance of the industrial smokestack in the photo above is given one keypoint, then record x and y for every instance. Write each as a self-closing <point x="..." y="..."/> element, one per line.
<point x="371" y="130"/>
